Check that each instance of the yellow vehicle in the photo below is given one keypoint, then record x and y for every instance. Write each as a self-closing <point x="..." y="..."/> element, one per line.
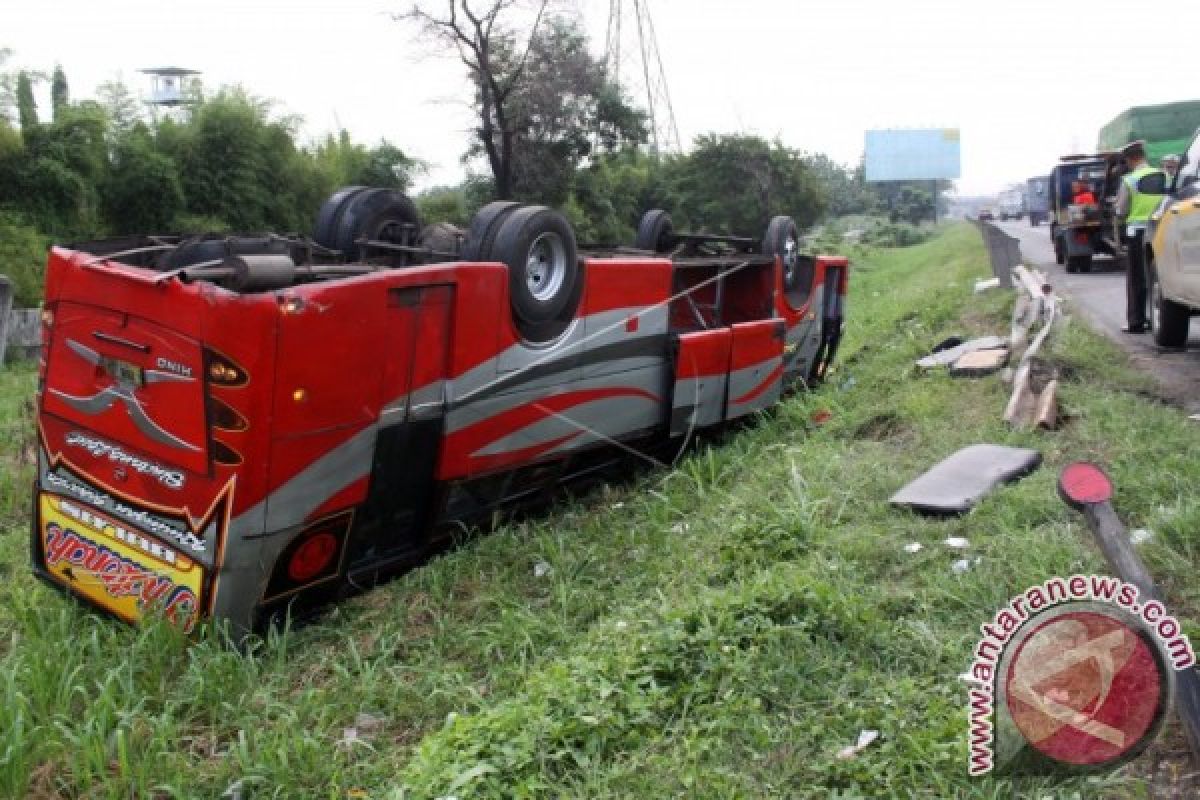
<point x="1173" y="254"/>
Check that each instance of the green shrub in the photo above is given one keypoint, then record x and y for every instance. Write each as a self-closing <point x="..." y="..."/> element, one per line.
<point x="22" y="259"/>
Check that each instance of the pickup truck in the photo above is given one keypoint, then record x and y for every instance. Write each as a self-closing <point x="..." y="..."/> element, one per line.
<point x="1173" y="254"/>
<point x="240" y="427"/>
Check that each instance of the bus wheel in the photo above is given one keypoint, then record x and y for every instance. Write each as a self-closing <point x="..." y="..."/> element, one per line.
<point x="655" y="231"/>
<point x="544" y="281"/>
<point x="379" y="214"/>
<point x="484" y="227"/>
<point x="331" y="214"/>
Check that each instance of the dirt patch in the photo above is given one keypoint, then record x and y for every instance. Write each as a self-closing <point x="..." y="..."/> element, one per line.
<point x="880" y="427"/>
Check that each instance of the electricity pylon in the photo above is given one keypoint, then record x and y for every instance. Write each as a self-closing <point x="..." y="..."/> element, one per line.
<point x="632" y="60"/>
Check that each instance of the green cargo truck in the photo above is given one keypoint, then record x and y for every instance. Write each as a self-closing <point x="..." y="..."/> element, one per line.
<point x="1166" y="128"/>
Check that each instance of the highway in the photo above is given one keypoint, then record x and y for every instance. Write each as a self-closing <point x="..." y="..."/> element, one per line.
<point x="1098" y="297"/>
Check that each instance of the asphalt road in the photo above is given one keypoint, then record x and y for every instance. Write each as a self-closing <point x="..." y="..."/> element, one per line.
<point x="1098" y="297"/>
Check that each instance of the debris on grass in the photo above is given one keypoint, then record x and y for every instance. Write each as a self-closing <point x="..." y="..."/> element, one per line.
<point x="821" y="416"/>
<point x="963" y="564"/>
<point x="956" y="543"/>
<point x="948" y="356"/>
<point x="913" y="547"/>
<point x="979" y="363"/>
<point x="365" y="728"/>
<point x="541" y="569"/>
<point x="1140" y="536"/>
<point x="958" y="482"/>
<point x="865" y="738"/>
<point x="983" y="286"/>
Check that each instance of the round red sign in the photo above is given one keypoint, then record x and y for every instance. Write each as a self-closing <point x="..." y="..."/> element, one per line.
<point x="1086" y="688"/>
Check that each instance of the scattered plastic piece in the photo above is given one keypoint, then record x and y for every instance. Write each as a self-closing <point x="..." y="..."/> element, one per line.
<point x="913" y="547"/>
<point x="864" y="741"/>
<point x="983" y="286"/>
<point x="956" y="542"/>
<point x="821" y="416"/>
<point x="541" y="569"/>
<point x="958" y="482"/>
<point x="944" y="358"/>
<point x="1140" y="536"/>
<point x="964" y="564"/>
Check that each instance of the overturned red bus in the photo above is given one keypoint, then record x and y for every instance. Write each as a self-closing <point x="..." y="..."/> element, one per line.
<point x="235" y="426"/>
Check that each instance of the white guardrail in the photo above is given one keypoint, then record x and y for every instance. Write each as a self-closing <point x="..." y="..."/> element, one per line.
<point x="20" y="328"/>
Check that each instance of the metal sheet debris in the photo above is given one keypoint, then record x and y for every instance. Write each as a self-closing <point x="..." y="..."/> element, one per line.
<point x="958" y="482"/>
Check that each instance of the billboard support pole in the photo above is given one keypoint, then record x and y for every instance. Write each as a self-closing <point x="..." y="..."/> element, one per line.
<point x="935" y="201"/>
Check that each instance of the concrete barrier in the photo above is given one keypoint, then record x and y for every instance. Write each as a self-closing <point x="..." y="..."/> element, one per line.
<point x="20" y="329"/>
<point x="1004" y="252"/>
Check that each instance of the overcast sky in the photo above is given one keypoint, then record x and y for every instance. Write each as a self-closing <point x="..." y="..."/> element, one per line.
<point x="1024" y="81"/>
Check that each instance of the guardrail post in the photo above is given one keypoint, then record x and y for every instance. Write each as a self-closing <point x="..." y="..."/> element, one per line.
<point x="1004" y="252"/>
<point x="6" y="301"/>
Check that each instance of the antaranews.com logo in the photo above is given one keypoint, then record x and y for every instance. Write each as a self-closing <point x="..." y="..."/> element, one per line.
<point x="1075" y="673"/>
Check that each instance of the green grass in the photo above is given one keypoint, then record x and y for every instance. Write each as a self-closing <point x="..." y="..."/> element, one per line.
<point x="718" y="630"/>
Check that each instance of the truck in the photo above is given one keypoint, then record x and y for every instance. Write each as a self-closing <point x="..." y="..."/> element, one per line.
<point x="1172" y="255"/>
<point x="1012" y="204"/>
<point x="244" y="427"/>
<point x="1081" y="232"/>
<point x="1037" y="199"/>
<point x="1166" y="128"/>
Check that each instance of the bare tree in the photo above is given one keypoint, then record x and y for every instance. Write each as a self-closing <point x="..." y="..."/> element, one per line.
<point x="478" y="34"/>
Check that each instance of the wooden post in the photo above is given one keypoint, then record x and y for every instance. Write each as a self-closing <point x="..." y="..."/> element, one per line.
<point x="6" y="301"/>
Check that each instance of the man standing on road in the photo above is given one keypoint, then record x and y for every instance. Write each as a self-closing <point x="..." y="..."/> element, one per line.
<point x="1133" y="212"/>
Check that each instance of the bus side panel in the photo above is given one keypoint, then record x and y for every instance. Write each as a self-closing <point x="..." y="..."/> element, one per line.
<point x="701" y="379"/>
<point x="756" y="368"/>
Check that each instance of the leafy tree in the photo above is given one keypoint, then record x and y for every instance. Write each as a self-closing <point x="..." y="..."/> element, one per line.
<point x="59" y="92"/>
<point x="26" y="105"/>
<point x="495" y="65"/>
<point x="736" y="183"/>
<point x="611" y="193"/>
<point x="122" y="106"/>
<point x="232" y="160"/>
<point x="142" y="191"/>
<point x="23" y="254"/>
<point x="345" y="162"/>
<point x="444" y="204"/>
<point x="542" y="101"/>
<point x="562" y="112"/>
<point x="8" y="89"/>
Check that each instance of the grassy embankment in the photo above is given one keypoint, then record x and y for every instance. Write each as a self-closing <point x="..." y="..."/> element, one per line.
<point x="719" y="630"/>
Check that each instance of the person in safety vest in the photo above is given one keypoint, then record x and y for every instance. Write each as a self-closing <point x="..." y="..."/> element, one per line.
<point x="1133" y="213"/>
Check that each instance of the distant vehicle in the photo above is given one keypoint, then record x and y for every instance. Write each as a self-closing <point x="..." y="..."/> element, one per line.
<point x="1080" y="232"/>
<point x="1172" y="257"/>
<point x="1037" y="199"/>
<point x="232" y="426"/>
<point x="986" y="215"/>
<point x="1012" y="204"/>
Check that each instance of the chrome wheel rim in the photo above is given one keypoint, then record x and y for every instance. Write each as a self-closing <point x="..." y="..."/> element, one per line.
<point x="546" y="266"/>
<point x="791" y="249"/>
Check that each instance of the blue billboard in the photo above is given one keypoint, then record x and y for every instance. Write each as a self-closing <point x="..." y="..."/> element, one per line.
<point x="916" y="154"/>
